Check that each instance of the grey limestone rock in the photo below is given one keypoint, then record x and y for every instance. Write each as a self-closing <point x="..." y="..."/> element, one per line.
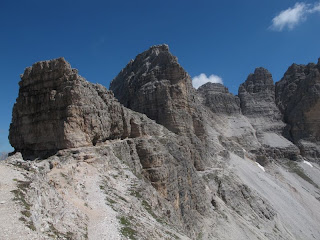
<point x="218" y="98"/>
<point x="257" y="96"/>
<point x="179" y="159"/>
<point x="57" y="109"/>
<point x="298" y="98"/>
<point x="257" y="100"/>
<point x="155" y="84"/>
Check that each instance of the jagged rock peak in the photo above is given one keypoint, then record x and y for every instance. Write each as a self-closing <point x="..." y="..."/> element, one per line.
<point x="260" y="80"/>
<point x="257" y="100"/>
<point x="48" y="65"/>
<point x="156" y="50"/>
<point x="298" y="98"/>
<point x="53" y="68"/>
<point x="257" y="89"/>
<point x="156" y="60"/>
<point x="160" y="47"/>
<point x="154" y="84"/>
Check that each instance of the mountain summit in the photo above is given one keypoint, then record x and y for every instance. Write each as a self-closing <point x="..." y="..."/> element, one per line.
<point x="154" y="158"/>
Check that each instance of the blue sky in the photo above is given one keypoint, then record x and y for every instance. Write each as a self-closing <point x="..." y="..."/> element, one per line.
<point x="228" y="39"/>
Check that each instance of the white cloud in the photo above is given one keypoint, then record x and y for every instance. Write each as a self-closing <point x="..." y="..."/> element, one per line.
<point x="201" y="79"/>
<point x="316" y="8"/>
<point x="291" y="17"/>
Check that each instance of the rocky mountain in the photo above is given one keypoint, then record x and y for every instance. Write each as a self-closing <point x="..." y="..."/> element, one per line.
<point x="298" y="98"/>
<point x="154" y="158"/>
<point x="218" y="99"/>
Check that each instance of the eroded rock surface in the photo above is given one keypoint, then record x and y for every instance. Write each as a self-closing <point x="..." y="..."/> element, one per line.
<point x="57" y="109"/>
<point x="154" y="83"/>
<point x="218" y="98"/>
<point x="257" y="100"/>
<point x="201" y="164"/>
<point x="298" y="98"/>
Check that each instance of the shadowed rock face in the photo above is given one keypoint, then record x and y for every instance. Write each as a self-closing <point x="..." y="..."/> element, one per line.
<point x="218" y="98"/>
<point x="257" y="95"/>
<point x="257" y="100"/>
<point x="199" y="166"/>
<point x="155" y="84"/>
<point x="57" y="109"/>
<point x="298" y="98"/>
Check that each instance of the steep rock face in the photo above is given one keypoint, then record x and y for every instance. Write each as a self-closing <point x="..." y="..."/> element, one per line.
<point x="298" y="98"/>
<point x="147" y="173"/>
<point x="235" y="132"/>
<point x="56" y="109"/>
<point x="218" y="98"/>
<point x="257" y="96"/>
<point x="257" y="100"/>
<point x="155" y="84"/>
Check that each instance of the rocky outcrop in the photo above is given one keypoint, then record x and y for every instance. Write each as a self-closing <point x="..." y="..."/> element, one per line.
<point x="155" y="84"/>
<point x="257" y="100"/>
<point x="298" y="98"/>
<point x="257" y="97"/>
<point x="196" y="175"/>
<point x="57" y="109"/>
<point x="218" y="98"/>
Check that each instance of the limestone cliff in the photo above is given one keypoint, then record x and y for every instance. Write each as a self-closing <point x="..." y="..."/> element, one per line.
<point x="218" y="98"/>
<point x="166" y="161"/>
<point x="57" y="109"/>
<point x="257" y="100"/>
<point x="155" y="84"/>
<point x="298" y="98"/>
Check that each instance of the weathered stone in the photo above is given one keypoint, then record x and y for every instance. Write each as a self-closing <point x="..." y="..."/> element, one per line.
<point x="298" y="98"/>
<point x="257" y="97"/>
<point x="151" y="172"/>
<point x="155" y="84"/>
<point x="57" y="109"/>
<point x="218" y="98"/>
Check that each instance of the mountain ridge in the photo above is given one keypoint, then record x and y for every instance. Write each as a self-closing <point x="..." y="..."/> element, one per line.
<point x="200" y="164"/>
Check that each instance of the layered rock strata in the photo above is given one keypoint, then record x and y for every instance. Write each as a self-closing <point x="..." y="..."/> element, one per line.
<point x="218" y="98"/>
<point x="200" y="129"/>
<point x="298" y="98"/>
<point x="57" y="109"/>
<point x="155" y="84"/>
<point x="257" y="100"/>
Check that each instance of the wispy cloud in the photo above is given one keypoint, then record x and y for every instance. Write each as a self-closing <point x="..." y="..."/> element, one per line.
<point x="291" y="17"/>
<point x="201" y="79"/>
